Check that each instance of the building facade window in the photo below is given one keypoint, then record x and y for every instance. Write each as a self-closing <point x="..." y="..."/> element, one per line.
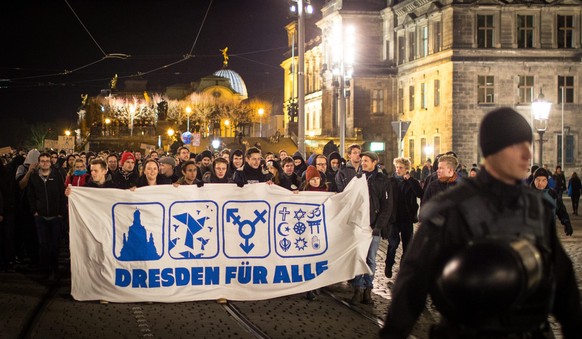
<point x="437" y="145"/>
<point x="423" y="35"/>
<point x="423" y="96"/>
<point x="525" y="31"/>
<point x="401" y="100"/>
<point x="411" y="150"/>
<point x="411" y="98"/>
<point x="401" y="50"/>
<point x="377" y="102"/>
<point x="485" y="89"/>
<point x="566" y="89"/>
<point x="422" y="150"/>
<point x="411" y="46"/>
<point x="437" y="93"/>
<point x="565" y="31"/>
<point x="568" y="149"/>
<point x="436" y="36"/>
<point x="525" y="88"/>
<point x="485" y="31"/>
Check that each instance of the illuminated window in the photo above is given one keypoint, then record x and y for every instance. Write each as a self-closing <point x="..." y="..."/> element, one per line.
<point x="423" y="48"/>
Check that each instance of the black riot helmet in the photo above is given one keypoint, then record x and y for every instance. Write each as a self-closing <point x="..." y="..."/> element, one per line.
<point x="487" y="278"/>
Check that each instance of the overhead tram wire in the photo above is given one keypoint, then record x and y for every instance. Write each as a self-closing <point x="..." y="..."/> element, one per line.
<point x="184" y="57"/>
<point x="86" y="30"/>
<point x="66" y="72"/>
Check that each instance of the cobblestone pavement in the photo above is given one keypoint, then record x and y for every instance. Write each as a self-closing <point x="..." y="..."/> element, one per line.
<point x="31" y="308"/>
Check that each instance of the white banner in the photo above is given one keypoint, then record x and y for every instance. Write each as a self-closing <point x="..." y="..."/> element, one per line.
<point x="172" y="244"/>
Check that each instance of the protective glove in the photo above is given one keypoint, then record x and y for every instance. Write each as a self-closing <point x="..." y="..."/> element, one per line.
<point x="568" y="229"/>
<point x="200" y="183"/>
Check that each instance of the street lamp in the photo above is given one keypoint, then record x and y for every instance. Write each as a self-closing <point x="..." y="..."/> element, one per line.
<point x="303" y="7"/>
<point x="68" y="133"/>
<point x="188" y="111"/>
<point x="541" y="111"/>
<point x="343" y="41"/>
<point x="261" y="112"/>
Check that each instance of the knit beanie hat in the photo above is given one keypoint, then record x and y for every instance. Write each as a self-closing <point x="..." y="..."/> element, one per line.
<point x="205" y="154"/>
<point x="541" y="172"/>
<point x="168" y="161"/>
<point x="311" y="173"/>
<point x="334" y="155"/>
<point x="501" y="128"/>
<point x="126" y="156"/>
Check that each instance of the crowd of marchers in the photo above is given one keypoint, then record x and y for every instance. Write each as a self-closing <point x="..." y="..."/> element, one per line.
<point x="35" y="185"/>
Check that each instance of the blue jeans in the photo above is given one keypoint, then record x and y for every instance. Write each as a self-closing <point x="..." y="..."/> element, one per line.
<point x="367" y="280"/>
<point x="49" y="236"/>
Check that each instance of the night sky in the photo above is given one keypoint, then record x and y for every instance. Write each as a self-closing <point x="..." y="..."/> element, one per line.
<point x="41" y="39"/>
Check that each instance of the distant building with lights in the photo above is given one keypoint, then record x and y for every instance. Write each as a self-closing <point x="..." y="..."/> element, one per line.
<point x="441" y="66"/>
<point x="136" y="117"/>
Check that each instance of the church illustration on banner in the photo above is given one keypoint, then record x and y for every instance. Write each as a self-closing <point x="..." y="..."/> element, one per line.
<point x="136" y="243"/>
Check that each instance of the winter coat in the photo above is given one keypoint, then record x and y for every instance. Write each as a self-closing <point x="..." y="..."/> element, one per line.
<point x="344" y="175"/>
<point x="47" y="198"/>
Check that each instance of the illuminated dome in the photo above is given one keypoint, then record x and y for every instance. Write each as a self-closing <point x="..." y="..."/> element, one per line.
<point x="236" y="81"/>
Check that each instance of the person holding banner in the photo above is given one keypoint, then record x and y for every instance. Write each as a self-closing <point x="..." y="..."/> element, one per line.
<point x="251" y="172"/>
<point x="151" y="175"/>
<point x="189" y="172"/>
<point x="383" y="192"/>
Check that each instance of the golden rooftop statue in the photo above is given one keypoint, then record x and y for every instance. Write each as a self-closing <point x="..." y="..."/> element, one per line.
<point x="225" y="62"/>
<point x="113" y="82"/>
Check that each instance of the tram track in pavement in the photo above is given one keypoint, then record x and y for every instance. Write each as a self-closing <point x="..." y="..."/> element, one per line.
<point x="35" y="315"/>
<point x="244" y="321"/>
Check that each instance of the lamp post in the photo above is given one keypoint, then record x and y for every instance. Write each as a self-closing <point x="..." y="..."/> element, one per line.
<point x="541" y="111"/>
<point x="261" y="112"/>
<point x="303" y="7"/>
<point x="188" y="111"/>
<point x="563" y="136"/>
<point x="343" y="59"/>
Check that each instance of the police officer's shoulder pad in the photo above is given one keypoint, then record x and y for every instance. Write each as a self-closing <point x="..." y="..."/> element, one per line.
<point x="434" y="211"/>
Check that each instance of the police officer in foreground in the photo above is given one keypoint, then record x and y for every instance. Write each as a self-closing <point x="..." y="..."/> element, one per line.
<point x="487" y="252"/>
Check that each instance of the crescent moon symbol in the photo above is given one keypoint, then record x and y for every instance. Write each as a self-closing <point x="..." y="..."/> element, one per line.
<point x="279" y="229"/>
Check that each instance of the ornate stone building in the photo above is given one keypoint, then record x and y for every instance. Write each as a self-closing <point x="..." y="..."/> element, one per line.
<point x="442" y="65"/>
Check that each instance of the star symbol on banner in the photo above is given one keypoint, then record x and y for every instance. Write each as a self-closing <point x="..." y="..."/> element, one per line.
<point x="299" y="214"/>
